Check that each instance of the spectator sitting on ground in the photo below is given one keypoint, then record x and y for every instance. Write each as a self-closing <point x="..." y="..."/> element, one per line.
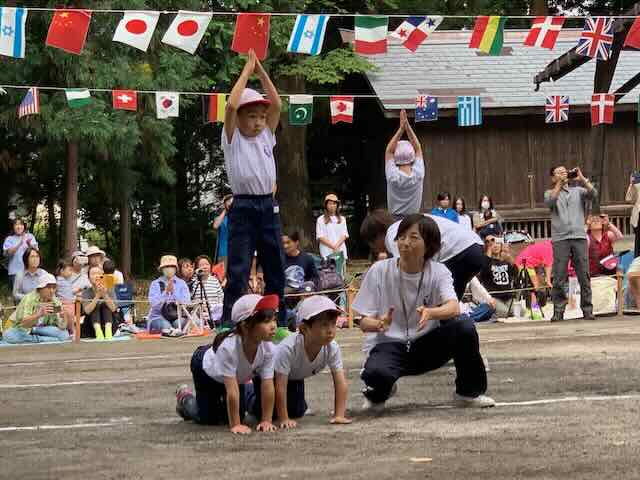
<point x="443" y="209"/>
<point x="95" y="257"/>
<point x="499" y="275"/>
<point x="98" y="306"/>
<point x="486" y="220"/>
<point x="464" y="218"/>
<point x="14" y="247"/>
<point x="331" y="228"/>
<point x="39" y="316"/>
<point x="185" y="272"/>
<point x="66" y="292"/>
<point x="212" y="289"/>
<point x="601" y="235"/>
<point x="79" y="278"/>
<point x="164" y="292"/>
<point x="300" y="268"/>
<point x="27" y="280"/>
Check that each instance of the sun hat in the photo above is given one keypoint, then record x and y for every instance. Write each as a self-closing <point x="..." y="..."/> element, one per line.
<point x="331" y="197"/>
<point x="93" y="250"/>
<point x="46" y="280"/>
<point x="315" y="305"/>
<point x="251" y="97"/>
<point x="168" y="261"/>
<point x="404" y="154"/>
<point x="247" y="305"/>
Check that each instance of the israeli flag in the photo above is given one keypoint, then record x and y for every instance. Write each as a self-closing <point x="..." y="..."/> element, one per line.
<point x="308" y="34"/>
<point x="12" y="37"/>
<point x="469" y="111"/>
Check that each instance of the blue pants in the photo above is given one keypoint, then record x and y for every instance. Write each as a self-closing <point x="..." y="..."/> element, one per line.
<point x="37" y="335"/>
<point x="296" y="404"/>
<point x="254" y="225"/>
<point x="159" y="324"/>
<point x="481" y="313"/>
<point x="456" y="338"/>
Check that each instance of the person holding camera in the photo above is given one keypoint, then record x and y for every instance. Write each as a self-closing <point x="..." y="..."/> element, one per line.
<point x="568" y="203"/>
<point x="98" y="306"/>
<point x="39" y="316"/>
<point x="164" y="293"/>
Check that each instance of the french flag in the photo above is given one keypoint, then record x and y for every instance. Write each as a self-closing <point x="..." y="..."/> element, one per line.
<point x="415" y="30"/>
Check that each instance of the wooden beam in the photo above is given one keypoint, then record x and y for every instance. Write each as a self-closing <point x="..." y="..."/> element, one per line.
<point x="629" y="85"/>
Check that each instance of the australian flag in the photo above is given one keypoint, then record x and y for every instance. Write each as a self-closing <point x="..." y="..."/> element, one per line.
<point x="426" y="108"/>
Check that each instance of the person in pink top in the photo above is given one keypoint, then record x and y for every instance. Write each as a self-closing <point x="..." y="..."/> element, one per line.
<point x="538" y="258"/>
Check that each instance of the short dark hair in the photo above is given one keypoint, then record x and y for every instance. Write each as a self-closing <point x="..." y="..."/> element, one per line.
<point x="428" y="229"/>
<point x="202" y="257"/>
<point x="375" y="225"/>
<point x="553" y="169"/>
<point x="62" y="264"/>
<point x="108" y="266"/>
<point x="293" y="235"/>
<point x="443" y="196"/>
<point x="25" y="256"/>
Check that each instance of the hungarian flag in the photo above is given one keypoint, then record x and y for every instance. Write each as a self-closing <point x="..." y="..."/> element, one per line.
<point x="68" y="30"/>
<point x="217" y="105"/>
<point x="633" y="37"/>
<point x="186" y="30"/>
<point x="136" y="29"/>
<point x="488" y="35"/>
<point x="544" y="32"/>
<point x="78" y="97"/>
<point x="371" y="34"/>
<point x="300" y="109"/>
<point x="341" y="109"/>
<point x="167" y="104"/>
<point x="125" y="100"/>
<point x="252" y="32"/>
<point x="602" y="106"/>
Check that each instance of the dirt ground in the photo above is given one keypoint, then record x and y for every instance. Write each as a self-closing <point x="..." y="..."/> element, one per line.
<point x="569" y="407"/>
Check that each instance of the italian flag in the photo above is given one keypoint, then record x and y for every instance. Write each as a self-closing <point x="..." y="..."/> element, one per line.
<point x="78" y="97"/>
<point x="488" y="35"/>
<point x="371" y="34"/>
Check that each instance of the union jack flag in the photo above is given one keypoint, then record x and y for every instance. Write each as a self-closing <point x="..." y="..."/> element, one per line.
<point x="557" y="108"/>
<point x="596" y="38"/>
<point x="30" y="104"/>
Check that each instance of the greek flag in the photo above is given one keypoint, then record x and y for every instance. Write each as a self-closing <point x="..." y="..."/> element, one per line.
<point x="12" y="38"/>
<point x="469" y="111"/>
<point x="308" y="34"/>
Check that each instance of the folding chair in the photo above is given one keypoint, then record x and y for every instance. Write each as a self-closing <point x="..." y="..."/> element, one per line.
<point x="126" y="308"/>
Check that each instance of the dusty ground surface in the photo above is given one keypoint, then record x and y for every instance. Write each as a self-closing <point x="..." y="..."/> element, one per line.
<point x="569" y="408"/>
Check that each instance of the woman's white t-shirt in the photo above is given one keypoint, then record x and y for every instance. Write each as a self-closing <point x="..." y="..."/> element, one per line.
<point x="464" y="219"/>
<point x="332" y="231"/>
<point x="230" y="361"/>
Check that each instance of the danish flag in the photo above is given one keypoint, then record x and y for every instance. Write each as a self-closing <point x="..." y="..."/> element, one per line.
<point x="602" y="105"/>
<point x="544" y="32"/>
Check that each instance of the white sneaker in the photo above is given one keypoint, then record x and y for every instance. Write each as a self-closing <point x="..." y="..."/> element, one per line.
<point x="369" y="406"/>
<point x="487" y="368"/>
<point x="481" y="401"/>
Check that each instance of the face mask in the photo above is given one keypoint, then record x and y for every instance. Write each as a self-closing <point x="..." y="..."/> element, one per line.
<point x="169" y="272"/>
<point x="486" y="205"/>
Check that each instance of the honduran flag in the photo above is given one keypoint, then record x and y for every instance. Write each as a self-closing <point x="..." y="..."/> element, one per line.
<point x="415" y="30"/>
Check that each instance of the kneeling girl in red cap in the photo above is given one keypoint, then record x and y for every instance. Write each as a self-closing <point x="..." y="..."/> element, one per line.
<point x="220" y="371"/>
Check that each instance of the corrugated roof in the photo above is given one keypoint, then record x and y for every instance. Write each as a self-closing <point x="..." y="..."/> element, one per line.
<point x="445" y="67"/>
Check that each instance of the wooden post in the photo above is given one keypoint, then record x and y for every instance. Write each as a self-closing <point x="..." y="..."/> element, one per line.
<point x="76" y="317"/>
<point x="620" y="293"/>
<point x="351" y="292"/>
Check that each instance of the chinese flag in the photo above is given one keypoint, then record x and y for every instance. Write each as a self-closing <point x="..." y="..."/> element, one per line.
<point x="68" y="30"/>
<point x="633" y="37"/>
<point x="252" y="32"/>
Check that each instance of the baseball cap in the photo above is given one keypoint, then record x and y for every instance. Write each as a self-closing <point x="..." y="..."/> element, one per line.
<point x="315" y="305"/>
<point x="251" y="97"/>
<point x="404" y="154"/>
<point x="247" y="305"/>
<point x="46" y="280"/>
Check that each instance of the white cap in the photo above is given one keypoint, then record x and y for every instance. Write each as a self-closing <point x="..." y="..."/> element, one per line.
<point x="251" y="97"/>
<point x="247" y="305"/>
<point x="315" y="305"/>
<point x="46" y="280"/>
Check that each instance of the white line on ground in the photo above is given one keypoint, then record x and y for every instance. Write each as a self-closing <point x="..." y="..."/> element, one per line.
<point x="97" y="359"/>
<point x="558" y="337"/>
<point x="600" y="398"/>
<point x="76" y="383"/>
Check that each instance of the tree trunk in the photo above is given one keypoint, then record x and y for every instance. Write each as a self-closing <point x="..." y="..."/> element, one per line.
<point x="125" y="237"/>
<point x="71" y="199"/>
<point x="540" y="8"/>
<point x="293" y="175"/>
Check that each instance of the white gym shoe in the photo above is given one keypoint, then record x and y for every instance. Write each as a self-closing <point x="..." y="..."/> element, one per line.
<point x="481" y="401"/>
<point x="369" y="406"/>
<point x="487" y="368"/>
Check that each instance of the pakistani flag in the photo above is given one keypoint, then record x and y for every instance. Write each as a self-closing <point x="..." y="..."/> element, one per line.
<point x="300" y="109"/>
<point x="78" y="97"/>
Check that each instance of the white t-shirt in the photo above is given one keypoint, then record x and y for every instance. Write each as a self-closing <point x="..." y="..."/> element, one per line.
<point x="230" y="361"/>
<point x="454" y="238"/>
<point x="404" y="192"/>
<point x="380" y="290"/>
<point x="291" y="358"/>
<point x="332" y="231"/>
<point x="465" y="221"/>
<point x="249" y="161"/>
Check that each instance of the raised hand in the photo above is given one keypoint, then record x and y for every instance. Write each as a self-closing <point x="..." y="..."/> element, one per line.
<point x="404" y="121"/>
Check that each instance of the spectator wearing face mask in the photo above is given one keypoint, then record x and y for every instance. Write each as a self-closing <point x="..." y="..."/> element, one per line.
<point x="164" y="292"/>
<point x="486" y="220"/>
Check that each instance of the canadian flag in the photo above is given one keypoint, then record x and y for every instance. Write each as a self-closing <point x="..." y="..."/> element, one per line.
<point x="341" y="109"/>
<point x="136" y="29"/>
<point x="544" y="32"/>
<point x="602" y="106"/>
<point x="187" y="29"/>
<point x="125" y="100"/>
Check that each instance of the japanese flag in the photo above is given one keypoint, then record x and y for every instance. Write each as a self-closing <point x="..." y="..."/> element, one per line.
<point x="136" y="29"/>
<point x="167" y="104"/>
<point x="186" y="30"/>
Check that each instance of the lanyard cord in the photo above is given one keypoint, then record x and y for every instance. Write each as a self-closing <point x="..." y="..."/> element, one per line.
<point x="402" y="299"/>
